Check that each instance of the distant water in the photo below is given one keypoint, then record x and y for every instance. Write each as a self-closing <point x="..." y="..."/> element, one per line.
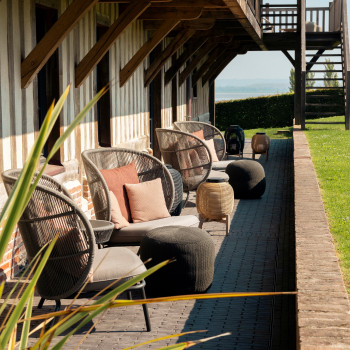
<point x="220" y="96"/>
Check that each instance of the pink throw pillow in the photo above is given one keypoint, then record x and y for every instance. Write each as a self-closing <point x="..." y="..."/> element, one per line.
<point x="116" y="178"/>
<point x="147" y="201"/>
<point x="116" y="215"/>
<point x="210" y="145"/>
<point x="199" y="134"/>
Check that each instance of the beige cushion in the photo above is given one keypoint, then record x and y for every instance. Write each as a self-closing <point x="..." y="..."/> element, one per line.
<point x="116" y="179"/>
<point x="147" y="201"/>
<point x="199" y="134"/>
<point x="111" y="264"/>
<point x="135" y="232"/>
<point x="116" y="215"/>
<point x="210" y="145"/>
<point x="221" y="165"/>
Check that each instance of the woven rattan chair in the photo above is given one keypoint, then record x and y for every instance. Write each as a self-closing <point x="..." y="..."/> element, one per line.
<point x="210" y="132"/>
<point x="189" y="155"/>
<point x="75" y="258"/>
<point x="148" y="168"/>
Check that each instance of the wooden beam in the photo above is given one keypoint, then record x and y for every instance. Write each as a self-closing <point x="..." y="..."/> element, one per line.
<point x="94" y="56"/>
<point x="41" y="53"/>
<point x="182" y="59"/>
<point x="202" y="52"/>
<point x="300" y="67"/>
<point x="217" y="67"/>
<point x="210" y="4"/>
<point x="314" y="59"/>
<point x="247" y="19"/>
<point x="211" y="58"/>
<point x="142" y="53"/>
<point x="181" y="13"/>
<point x="290" y="58"/>
<point x="158" y="63"/>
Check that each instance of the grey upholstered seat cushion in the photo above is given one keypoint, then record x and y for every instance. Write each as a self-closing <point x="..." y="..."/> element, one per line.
<point x="220" y="174"/>
<point x="136" y="231"/>
<point x="221" y="165"/>
<point x="111" y="264"/>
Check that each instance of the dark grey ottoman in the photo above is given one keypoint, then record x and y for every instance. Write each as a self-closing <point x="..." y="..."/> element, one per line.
<point x="193" y="270"/>
<point x="247" y="178"/>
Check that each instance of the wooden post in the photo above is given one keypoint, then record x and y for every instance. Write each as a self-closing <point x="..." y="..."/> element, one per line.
<point x="212" y="102"/>
<point x="346" y="60"/>
<point x="156" y="101"/>
<point x="300" y="68"/>
<point x="174" y="93"/>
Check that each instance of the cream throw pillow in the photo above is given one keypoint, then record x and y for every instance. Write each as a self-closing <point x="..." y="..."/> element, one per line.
<point x="116" y="215"/>
<point x="147" y="201"/>
<point x="210" y="145"/>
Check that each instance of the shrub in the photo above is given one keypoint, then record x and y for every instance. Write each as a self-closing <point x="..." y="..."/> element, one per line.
<point x="265" y="112"/>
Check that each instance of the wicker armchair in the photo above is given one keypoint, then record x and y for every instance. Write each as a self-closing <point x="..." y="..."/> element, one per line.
<point x="148" y="168"/>
<point x="75" y="258"/>
<point x="210" y="132"/>
<point x="189" y="155"/>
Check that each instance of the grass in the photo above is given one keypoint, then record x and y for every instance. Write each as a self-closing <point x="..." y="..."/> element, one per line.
<point x="329" y="146"/>
<point x="271" y="132"/>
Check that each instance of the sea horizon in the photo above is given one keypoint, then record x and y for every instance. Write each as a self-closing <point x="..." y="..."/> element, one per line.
<point x="226" y="96"/>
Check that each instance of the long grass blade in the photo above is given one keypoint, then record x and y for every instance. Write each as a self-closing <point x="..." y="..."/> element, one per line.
<point x="17" y="202"/>
<point x="188" y="344"/>
<point x="162" y="338"/>
<point x="79" y="314"/>
<point x="26" y="325"/>
<point x="17" y="312"/>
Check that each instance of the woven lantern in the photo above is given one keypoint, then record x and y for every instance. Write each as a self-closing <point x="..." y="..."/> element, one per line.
<point x="215" y="200"/>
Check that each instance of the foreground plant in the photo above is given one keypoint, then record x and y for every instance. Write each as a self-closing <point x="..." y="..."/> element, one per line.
<point x="72" y="319"/>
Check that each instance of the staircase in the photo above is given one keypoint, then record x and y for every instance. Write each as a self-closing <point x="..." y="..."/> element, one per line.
<point x="326" y="96"/>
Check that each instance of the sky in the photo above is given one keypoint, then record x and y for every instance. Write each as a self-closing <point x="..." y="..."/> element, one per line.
<point x="267" y="64"/>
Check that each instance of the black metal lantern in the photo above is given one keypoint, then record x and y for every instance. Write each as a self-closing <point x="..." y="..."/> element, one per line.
<point x="234" y="138"/>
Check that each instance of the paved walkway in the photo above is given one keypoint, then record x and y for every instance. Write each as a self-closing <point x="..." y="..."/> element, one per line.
<point x="257" y="255"/>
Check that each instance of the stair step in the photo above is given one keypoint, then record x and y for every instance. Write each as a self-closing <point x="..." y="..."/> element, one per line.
<point x="324" y="105"/>
<point x="324" y="62"/>
<point x="324" y="79"/>
<point x="323" y="55"/>
<point x="321" y="113"/>
<point x="324" y="96"/>
<point x="324" y="122"/>
<point x="322" y="71"/>
<point x="328" y="87"/>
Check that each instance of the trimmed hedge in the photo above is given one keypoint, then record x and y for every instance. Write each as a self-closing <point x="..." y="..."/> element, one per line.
<point x="264" y="112"/>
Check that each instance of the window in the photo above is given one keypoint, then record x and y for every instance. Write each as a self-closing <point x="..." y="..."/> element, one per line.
<point x="48" y="78"/>
<point x="104" y="104"/>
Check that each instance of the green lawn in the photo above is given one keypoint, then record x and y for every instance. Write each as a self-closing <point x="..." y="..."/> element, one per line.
<point x="330" y="145"/>
<point x="272" y="132"/>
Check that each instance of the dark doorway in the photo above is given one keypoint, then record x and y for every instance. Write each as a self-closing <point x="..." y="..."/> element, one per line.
<point x="48" y="78"/>
<point x="104" y="104"/>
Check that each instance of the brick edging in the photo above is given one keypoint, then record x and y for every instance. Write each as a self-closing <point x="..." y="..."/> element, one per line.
<point x="323" y="311"/>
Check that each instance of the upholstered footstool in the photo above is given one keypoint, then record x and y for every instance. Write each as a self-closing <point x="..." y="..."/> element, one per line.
<point x="193" y="270"/>
<point x="247" y="177"/>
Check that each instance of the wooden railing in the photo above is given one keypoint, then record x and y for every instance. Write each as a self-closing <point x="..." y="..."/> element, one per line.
<point x="283" y="18"/>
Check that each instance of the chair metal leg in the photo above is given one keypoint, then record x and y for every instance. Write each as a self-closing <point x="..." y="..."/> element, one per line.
<point x="141" y="286"/>
<point x="41" y="303"/>
<point x="58" y="305"/>
<point x="186" y="200"/>
<point x="145" y="311"/>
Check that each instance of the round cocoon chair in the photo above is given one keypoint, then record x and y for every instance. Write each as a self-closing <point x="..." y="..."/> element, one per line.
<point x="247" y="178"/>
<point x="194" y="254"/>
